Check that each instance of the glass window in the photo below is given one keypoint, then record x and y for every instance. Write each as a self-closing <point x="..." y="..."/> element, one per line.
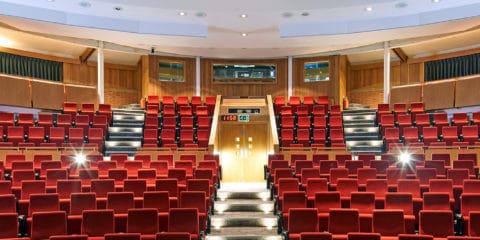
<point x="171" y="72"/>
<point x="241" y="73"/>
<point x="317" y="71"/>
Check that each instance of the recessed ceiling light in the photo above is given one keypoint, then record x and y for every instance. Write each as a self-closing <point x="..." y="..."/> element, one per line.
<point x="401" y="5"/>
<point x="287" y="14"/>
<point x="200" y="14"/>
<point x="305" y="14"/>
<point x="182" y="13"/>
<point x="244" y="34"/>
<point x="243" y="15"/>
<point x="85" y="4"/>
<point x="118" y="8"/>
<point x="369" y="9"/>
<point x="435" y="1"/>
<point x="50" y="0"/>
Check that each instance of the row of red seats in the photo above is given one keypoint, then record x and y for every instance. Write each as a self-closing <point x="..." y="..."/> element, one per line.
<point x="308" y="101"/>
<point x="342" y="224"/>
<point x="305" y="137"/>
<point x="168" y="106"/>
<point x="173" y="137"/>
<point x="172" y="122"/>
<point x="88" y="109"/>
<point x="308" y="122"/>
<point x="56" y="135"/>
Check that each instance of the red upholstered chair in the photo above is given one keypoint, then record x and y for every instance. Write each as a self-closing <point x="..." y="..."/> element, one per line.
<point x="301" y="220"/>
<point x="184" y="220"/>
<point x="343" y="221"/>
<point x="96" y="223"/>
<point x="438" y="223"/>
<point x="388" y="222"/>
<point x="46" y="224"/>
<point x="8" y="225"/>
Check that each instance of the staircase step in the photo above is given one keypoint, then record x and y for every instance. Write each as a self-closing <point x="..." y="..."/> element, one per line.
<point x="358" y="124"/>
<point x="244" y="233"/>
<point x="125" y="138"/>
<point x="125" y="130"/>
<point x="244" y="205"/>
<point x="359" y="117"/>
<point x="222" y="195"/>
<point x="244" y="219"/>
<point x="126" y="144"/>
<point x="361" y="137"/>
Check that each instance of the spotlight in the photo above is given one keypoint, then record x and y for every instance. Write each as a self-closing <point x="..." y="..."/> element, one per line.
<point x="152" y="50"/>
<point x="404" y="158"/>
<point x="80" y="158"/>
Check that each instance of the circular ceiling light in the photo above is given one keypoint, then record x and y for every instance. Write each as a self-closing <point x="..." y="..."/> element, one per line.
<point x="50" y="0"/>
<point x="287" y="14"/>
<point x="182" y="13"/>
<point x="369" y="9"/>
<point x="401" y="5"/>
<point x="435" y="1"/>
<point x="118" y="8"/>
<point x="85" y="4"/>
<point x="305" y="14"/>
<point x="243" y="15"/>
<point x="244" y="34"/>
<point x="200" y="14"/>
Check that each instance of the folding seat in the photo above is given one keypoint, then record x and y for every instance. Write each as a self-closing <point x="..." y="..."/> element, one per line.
<point x="8" y="203"/>
<point x="335" y="110"/>
<point x="119" y="158"/>
<point x="45" y="202"/>
<point x="186" y="122"/>
<point x="438" y="223"/>
<point x="323" y="202"/>
<point x="465" y="164"/>
<point x="168" y="136"/>
<point x="79" y="202"/>
<point x="187" y="165"/>
<point x="294" y="102"/>
<point x="308" y="101"/>
<point x="412" y="186"/>
<point x="145" y="158"/>
<point x="460" y="119"/>
<point x="457" y="176"/>
<point x="287" y="122"/>
<point x="284" y="185"/>
<point x="402" y="201"/>
<point x="399" y="108"/>
<point x="183" y="101"/>
<point x="315" y="236"/>
<point x="279" y="173"/>
<point x="422" y="120"/>
<point x="336" y="122"/>
<point x="345" y="186"/>
<point x="151" y="122"/>
<point x="143" y="221"/>
<point x="430" y="135"/>
<point x="15" y="134"/>
<point x="100" y="121"/>
<point x="440" y="120"/>
<point x="46" y="224"/>
<point x="70" y="107"/>
<point x="171" y="186"/>
<point x="424" y="175"/>
<point x="416" y="108"/>
<point x="101" y="187"/>
<point x="319" y="111"/>
<point x="57" y="135"/>
<point x="343" y="221"/>
<point x="273" y="166"/>
<point x="286" y="111"/>
<point x="153" y="99"/>
<point x="21" y="175"/>
<point x="96" y="223"/>
<point x="436" y="201"/>
<point x="65" y="188"/>
<point x="120" y="202"/>
<point x="410" y="135"/>
<point x="184" y="220"/>
<point x="95" y="135"/>
<point x="52" y="175"/>
<point x="335" y="175"/>
<point x="341" y="158"/>
<point x="365" y="203"/>
<point x="204" y="122"/>
<point x="166" y="157"/>
<point x="7" y="119"/>
<point x="470" y="134"/>
<point x="319" y="122"/>
<point x="307" y="173"/>
<point x="336" y="136"/>
<point x="387" y="121"/>
<point x="161" y="168"/>
<point x="64" y="120"/>
<point x="366" y="158"/>
<point x="127" y="236"/>
<point x="203" y="185"/>
<point x="474" y="224"/>
<point x="118" y="175"/>
<point x="151" y="110"/>
<point x="319" y="136"/>
<point x="449" y="134"/>
<point x="149" y="175"/>
<point x="393" y="175"/>
<point x="104" y="166"/>
<point x="105" y="109"/>
<point x="382" y="109"/>
<point x="39" y="158"/>
<point x="75" y="136"/>
<point x="471" y="186"/>
<point x="470" y="202"/>
<point x="363" y="175"/>
<point x="86" y="175"/>
<point x="303" y="137"/>
<point x="83" y="122"/>
<point x="203" y="136"/>
<point x="200" y="111"/>
<point x="25" y="120"/>
<point x="301" y="220"/>
<point x="5" y="187"/>
<point x="298" y="165"/>
<point x="353" y="166"/>
<point x="291" y="199"/>
<point x="381" y="166"/>
<point x="325" y="167"/>
<point x="286" y="137"/>
<point x="403" y="121"/>
<point x="132" y="167"/>
<point x="323" y="101"/>
<point x="317" y="157"/>
<point x="313" y="186"/>
<point x="185" y="111"/>
<point x="8" y="225"/>
<point x="302" y="111"/>
<point x="198" y="200"/>
<point x="388" y="222"/>
<point x="444" y="157"/>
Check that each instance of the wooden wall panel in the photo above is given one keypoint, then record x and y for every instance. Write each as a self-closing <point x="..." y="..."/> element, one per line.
<point x="466" y="93"/>
<point x="231" y="89"/>
<point x="438" y="95"/>
<point x="81" y="74"/>
<point x="47" y="95"/>
<point x="155" y="87"/>
<point x="14" y="91"/>
<point x="406" y="94"/>
<point x="329" y="88"/>
<point x="81" y="94"/>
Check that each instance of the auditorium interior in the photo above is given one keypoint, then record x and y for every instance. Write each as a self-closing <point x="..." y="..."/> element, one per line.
<point x="240" y="120"/>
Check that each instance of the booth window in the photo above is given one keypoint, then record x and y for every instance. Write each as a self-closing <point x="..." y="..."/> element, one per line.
<point x="316" y="71"/>
<point x="171" y="71"/>
<point x="244" y="73"/>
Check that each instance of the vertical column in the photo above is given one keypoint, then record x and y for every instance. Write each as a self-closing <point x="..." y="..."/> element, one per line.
<point x="197" y="77"/>
<point x="386" y="72"/>
<point x="100" y="73"/>
<point x="290" y="77"/>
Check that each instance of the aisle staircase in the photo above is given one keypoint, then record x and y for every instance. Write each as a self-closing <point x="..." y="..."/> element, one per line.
<point x="126" y="132"/>
<point x="243" y="211"/>
<point x="361" y="132"/>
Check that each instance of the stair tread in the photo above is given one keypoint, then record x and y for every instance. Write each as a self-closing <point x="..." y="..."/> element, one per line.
<point x="249" y="231"/>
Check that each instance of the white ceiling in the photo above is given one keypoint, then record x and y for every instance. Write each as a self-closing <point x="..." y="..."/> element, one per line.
<point x="275" y="28"/>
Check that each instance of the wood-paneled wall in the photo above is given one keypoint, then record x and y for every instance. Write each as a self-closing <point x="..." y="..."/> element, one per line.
<point x="243" y="89"/>
<point x="331" y="88"/>
<point x="152" y="86"/>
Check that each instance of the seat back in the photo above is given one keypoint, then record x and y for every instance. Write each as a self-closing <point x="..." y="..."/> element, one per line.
<point x="46" y="224"/>
<point x="343" y="221"/>
<point x="98" y="222"/>
<point x="388" y="222"/>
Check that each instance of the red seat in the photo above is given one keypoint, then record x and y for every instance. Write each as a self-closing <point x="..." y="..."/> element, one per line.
<point x="8" y="225"/>
<point x="301" y="220"/>
<point x="430" y="135"/>
<point x="402" y="201"/>
<point x="143" y="221"/>
<point x="388" y="222"/>
<point x="106" y="110"/>
<point x="168" y="136"/>
<point x="184" y="220"/>
<point x="46" y="224"/>
<point x="438" y="223"/>
<point x="460" y="119"/>
<point x="15" y="134"/>
<point x="343" y="221"/>
<point x="440" y="120"/>
<point x="450" y="134"/>
<point x="96" y="136"/>
<point x="96" y="223"/>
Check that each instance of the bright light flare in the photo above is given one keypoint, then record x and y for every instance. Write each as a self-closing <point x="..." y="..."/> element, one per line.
<point x="405" y="158"/>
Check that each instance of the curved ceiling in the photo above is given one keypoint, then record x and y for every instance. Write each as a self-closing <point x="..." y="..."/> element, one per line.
<point x="214" y="28"/>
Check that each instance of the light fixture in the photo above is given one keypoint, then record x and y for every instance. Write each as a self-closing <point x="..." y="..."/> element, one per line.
<point x="435" y="1"/>
<point x="5" y="42"/>
<point x="118" y="8"/>
<point x="50" y="0"/>
<point x="200" y="14"/>
<point x="404" y="158"/>
<point x="85" y="4"/>
<point x="369" y="9"/>
<point x="287" y="14"/>
<point x="182" y="13"/>
<point x="243" y="15"/>
<point x="80" y="158"/>
<point x="305" y="14"/>
<point x="244" y="34"/>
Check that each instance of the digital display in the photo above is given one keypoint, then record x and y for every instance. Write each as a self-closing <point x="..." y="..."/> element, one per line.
<point x="229" y="118"/>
